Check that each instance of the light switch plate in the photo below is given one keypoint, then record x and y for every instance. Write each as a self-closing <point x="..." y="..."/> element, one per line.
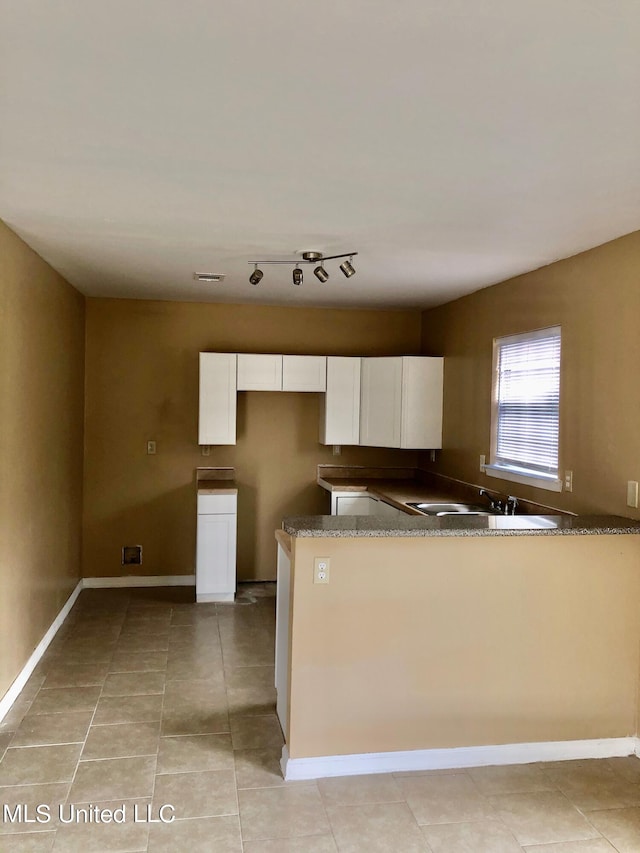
<point x="151" y="448"/>
<point x="568" y="481"/>
<point x="632" y="493"/>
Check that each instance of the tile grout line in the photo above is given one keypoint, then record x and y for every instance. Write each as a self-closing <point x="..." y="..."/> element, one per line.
<point x="95" y="710"/>
<point x="164" y="693"/>
<point x="233" y="752"/>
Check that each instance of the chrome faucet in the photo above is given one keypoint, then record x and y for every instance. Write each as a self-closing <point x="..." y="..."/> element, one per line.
<point x="511" y="505"/>
<point x="503" y="507"/>
<point x="495" y="503"/>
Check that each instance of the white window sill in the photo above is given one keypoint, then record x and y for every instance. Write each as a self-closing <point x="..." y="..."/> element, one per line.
<point x="540" y="481"/>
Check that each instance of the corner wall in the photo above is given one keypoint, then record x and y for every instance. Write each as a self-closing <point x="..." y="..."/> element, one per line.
<point x="595" y="298"/>
<point x="142" y="383"/>
<point x="41" y="448"/>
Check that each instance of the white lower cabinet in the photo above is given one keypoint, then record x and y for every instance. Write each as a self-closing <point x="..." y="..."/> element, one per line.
<point x="216" y="547"/>
<point x="388" y="511"/>
<point x="362" y="503"/>
<point x="353" y="504"/>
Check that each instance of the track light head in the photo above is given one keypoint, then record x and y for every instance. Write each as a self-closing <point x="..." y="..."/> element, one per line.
<point x="297" y="276"/>
<point x="347" y="268"/>
<point x="320" y="273"/>
<point x="256" y="275"/>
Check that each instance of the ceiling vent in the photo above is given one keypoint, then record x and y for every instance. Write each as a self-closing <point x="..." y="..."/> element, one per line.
<point x="208" y="276"/>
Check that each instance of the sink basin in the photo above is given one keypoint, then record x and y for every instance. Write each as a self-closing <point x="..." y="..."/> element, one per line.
<point x="451" y="509"/>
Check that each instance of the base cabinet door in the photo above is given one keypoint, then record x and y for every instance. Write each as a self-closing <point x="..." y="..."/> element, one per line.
<point x="216" y="556"/>
<point x="388" y="511"/>
<point x="357" y="505"/>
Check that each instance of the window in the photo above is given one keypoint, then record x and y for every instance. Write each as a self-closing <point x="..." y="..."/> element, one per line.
<point x="526" y="408"/>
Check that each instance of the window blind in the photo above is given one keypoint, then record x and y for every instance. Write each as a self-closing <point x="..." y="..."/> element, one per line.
<point x="528" y="401"/>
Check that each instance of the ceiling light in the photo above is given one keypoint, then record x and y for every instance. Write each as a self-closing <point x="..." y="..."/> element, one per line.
<point x="347" y="268"/>
<point x="308" y="258"/>
<point x="256" y="275"/>
<point x="208" y="276"/>
<point x="321" y="273"/>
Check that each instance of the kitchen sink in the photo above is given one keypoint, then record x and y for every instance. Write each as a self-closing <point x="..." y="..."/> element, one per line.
<point x="451" y="509"/>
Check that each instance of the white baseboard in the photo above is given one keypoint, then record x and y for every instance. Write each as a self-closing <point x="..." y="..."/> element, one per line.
<point x="84" y="583"/>
<point x="23" y="676"/>
<point x="445" y="759"/>
<point x="139" y="580"/>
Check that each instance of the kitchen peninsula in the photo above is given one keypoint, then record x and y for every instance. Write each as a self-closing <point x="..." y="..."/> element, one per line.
<point x="440" y="642"/>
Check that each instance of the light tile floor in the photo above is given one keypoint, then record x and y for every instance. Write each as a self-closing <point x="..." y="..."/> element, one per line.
<point x="145" y="698"/>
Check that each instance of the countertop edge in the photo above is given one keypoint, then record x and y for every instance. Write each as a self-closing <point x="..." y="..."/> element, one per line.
<point x="308" y="527"/>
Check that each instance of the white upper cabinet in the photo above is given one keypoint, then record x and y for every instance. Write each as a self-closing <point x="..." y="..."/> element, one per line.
<point x="217" y="412"/>
<point x="259" y="372"/>
<point x="282" y="372"/>
<point x="381" y="402"/>
<point x="340" y="407"/>
<point x="401" y="402"/>
<point x="304" y="372"/>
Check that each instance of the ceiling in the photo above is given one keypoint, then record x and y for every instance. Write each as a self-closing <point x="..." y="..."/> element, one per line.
<point x="452" y="143"/>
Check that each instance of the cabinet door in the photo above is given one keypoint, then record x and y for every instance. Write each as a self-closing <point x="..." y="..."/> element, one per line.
<point x="340" y="407"/>
<point x="381" y="402"/>
<point x="388" y="511"/>
<point x="259" y="372"/>
<point x="356" y="506"/>
<point x="304" y="372"/>
<point x="422" y="402"/>
<point x="216" y="558"/>
<point x="217" y="401"/>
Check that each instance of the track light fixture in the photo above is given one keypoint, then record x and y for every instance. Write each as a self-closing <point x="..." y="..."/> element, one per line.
<point x="320" y="272"/>
<point x="347" y="268"/>
<point x="256" y="275"/>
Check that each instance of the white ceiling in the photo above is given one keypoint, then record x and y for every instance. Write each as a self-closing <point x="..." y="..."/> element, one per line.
<point x="452" y="143"/>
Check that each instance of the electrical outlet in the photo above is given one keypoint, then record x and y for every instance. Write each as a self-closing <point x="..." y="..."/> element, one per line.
<point x="632" y="493"/>
<point x="483" y="462"/>
<point x="205" y="450"/>
<point x="337" y="449"/>
<point x="568" y="481"/>
<point x="151" y="448"/>
<point x="321" y="570"/>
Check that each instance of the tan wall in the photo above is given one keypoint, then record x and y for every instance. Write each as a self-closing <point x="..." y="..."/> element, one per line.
<point x="41" y="435"/>
<point x="142" y="383"/>
<point x="435" y="643"/>
<point x="595" y="297"/>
